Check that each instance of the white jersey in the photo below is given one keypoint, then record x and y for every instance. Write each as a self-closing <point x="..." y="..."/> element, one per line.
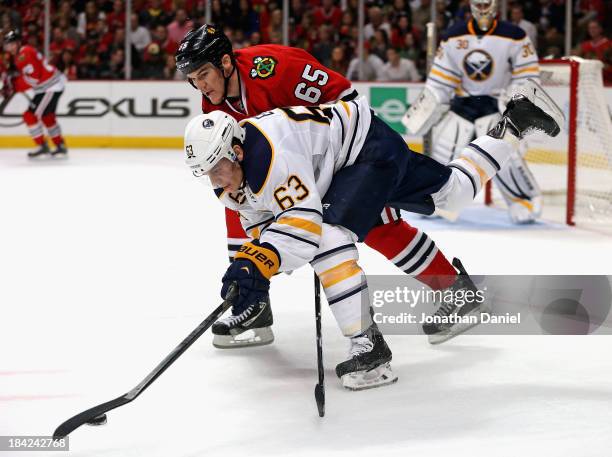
<point x="468" y="64"/>
<point x="291" y="155"/>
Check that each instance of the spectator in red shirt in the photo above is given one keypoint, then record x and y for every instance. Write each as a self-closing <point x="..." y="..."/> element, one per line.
<point x="329" y="14"/>
<point x="33" y="15"/>
<point x="178" y="28"/>
<point x="116" y="18"/>
<point x="401" y="27"/>
<point x="596" y="47"/>
<point x="274" y="30"/>
<point x="59" y="42"/>
<point x="346" y="24"/>
<point x="160" y="36"/>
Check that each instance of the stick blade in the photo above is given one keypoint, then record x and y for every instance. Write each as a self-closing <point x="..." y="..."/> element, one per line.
<point x="319" y="393"/>
<point x="86" y="416"/>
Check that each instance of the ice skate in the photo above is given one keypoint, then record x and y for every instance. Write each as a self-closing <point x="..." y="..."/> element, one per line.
<point x="439" y="332"/>
<point x="369" y="360"/>
<point x="529" y="111"/>
<point x="40" y="153"/>
<point x="60" y="152"/>
<point x="252" y="327"/>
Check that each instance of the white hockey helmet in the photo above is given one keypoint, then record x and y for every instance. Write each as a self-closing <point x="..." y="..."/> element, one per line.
<point x="208" y="139"/>
<point x="484" y="12"/>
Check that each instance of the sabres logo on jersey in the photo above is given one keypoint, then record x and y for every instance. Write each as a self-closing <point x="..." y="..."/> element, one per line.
<point x="478" y="65"/>
<point x="263" y="67"/>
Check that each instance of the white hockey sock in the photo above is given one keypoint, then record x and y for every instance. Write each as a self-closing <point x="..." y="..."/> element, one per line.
<point x="343" y="281"/>
<point x="479" y="161"/>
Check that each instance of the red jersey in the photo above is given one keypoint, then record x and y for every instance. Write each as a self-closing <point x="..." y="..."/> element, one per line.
<point x="35" y="72"/>
<point x="273" y="76"/>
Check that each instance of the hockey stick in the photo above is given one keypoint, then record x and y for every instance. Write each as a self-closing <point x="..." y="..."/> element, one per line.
<point x="97" y="414"/>
<point x="319" y="391"/>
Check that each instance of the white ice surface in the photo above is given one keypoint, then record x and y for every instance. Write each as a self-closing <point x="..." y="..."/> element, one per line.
<point x="109" y="259"/>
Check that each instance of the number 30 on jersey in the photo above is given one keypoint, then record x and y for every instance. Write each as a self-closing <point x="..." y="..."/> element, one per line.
<point x="310" y="93"/>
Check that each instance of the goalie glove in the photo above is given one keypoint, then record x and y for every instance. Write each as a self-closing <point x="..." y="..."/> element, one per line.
<point x="253" y="266"/>
<point x="424" y="113"/>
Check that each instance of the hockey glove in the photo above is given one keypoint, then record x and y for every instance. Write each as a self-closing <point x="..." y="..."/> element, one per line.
<point x="252" y="268"/>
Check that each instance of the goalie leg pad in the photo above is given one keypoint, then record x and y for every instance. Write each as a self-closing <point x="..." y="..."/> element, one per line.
<point x="426" y="111"/>
<point x="450" y="136"/>
<point x="520" y="190"/>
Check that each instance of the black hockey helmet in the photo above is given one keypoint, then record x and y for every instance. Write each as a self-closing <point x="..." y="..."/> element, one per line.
<point x="201" y="46"/>
<point x="11" y="36"/>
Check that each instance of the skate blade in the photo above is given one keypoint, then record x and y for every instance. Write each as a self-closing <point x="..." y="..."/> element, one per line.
<point x="376" y="377"/>
<point x="45" y="156"/>
<point x="59" y="156"/>
<point x="457" y="329"/>
<point x="259" y="337"/>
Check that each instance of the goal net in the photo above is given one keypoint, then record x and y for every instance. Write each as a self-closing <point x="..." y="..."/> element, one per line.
<point x="574" y="169"/>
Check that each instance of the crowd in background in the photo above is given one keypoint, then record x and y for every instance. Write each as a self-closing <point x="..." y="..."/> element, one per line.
<point x="87" y="36"/>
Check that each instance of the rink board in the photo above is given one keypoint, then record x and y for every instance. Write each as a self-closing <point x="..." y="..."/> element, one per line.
<point x="153" y="114"/>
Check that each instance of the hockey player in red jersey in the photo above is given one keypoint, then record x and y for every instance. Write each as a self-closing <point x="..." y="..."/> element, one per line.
<point x="30" y="70"/>
<point x="249" y="81"/>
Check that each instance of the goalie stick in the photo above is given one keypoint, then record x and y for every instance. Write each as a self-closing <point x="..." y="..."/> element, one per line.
<point x="319" y="391"/>
<point x="97" y="414"/>
<point x="431" y="54"/>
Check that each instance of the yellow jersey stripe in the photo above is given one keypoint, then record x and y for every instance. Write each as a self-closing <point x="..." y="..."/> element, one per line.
<point x="302" y="224"/>
<point x="339" y="273"/>
<point x="346" y="108"/>
<point x="445" y="76"/>
<point x="534" y="69"/>
<point x="483" y="174"/>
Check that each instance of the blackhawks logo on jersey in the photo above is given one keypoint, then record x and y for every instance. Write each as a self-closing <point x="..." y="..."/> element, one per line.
<point x="263" y="67"/>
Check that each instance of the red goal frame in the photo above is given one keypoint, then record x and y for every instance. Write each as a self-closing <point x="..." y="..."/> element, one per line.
<point x="571" y="141"/>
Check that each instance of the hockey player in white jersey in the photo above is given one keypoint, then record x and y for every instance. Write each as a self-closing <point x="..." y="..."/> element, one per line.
<point x="310" y="182"/>
<point x="477" y="66"/>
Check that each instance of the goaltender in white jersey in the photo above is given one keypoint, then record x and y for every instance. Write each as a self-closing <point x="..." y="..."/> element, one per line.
<point x="311" y="181"/>
<point x="478" y="65"/>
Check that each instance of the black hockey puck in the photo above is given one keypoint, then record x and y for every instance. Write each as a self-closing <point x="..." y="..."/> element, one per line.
<point x="98" y="420"/>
